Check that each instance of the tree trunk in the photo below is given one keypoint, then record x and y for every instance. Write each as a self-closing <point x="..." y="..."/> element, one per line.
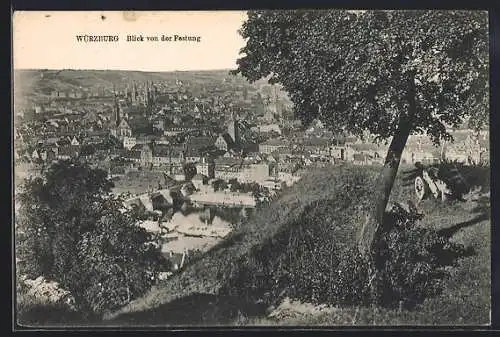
<point x="385" y="182"/>
<point x="374" y="225"/>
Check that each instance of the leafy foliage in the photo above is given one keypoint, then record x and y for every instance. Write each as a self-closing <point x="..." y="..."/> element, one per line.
<point x="361" y="71"/>
<point x="87" y="150"/>
<point x="412" y="259"/>
<point x="243" y="187"/>
<point x="71" y="230"/>
<point x="110" y="142"/>
<point x="189" y="170"/>
<point x="391" y="73"/>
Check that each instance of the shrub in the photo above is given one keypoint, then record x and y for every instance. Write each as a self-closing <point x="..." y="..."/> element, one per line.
<point x="412" y="259"/>
<point x="315" y="258"/>
<point x="49" y="314"/>
<point x="70" y="230"/>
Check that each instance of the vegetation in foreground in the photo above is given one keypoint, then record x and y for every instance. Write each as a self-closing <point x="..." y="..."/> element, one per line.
<point x="71" y="230"/>
<point x="209" y="293"/>
<point x="389" y="73"/>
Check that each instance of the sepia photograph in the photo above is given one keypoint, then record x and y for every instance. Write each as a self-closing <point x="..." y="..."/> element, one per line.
<point x="262" y="168"/>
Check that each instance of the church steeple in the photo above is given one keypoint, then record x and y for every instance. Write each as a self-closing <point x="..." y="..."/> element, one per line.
<point x="232" y="128"/>
<point x="134" y="92"/>
<point x="116" y="112"/>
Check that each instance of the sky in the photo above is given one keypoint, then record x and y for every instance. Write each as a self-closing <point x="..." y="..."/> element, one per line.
<point x="47" y="40"/>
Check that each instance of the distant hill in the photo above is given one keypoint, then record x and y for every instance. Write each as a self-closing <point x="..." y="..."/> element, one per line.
<point x="37" y="84"/>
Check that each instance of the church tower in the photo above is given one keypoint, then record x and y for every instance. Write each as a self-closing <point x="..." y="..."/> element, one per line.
<point x="145" y="93"/>
<point x="116" y="111"/>
<point x="152" y="89"/>
<point x="117" y="114"/>
<point x="134" y="92"/>
<point x="232" y="129"/>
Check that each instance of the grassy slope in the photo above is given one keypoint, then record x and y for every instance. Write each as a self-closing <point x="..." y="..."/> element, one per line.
<point x="466" y="299"/>
<point x="190" y="297"/>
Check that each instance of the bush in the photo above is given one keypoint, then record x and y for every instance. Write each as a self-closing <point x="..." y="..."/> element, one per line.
<point x="49" y="314"/>
<point x="70" y="230"/>
<point x="315" y="258"/>
<point x="412" y="259"/>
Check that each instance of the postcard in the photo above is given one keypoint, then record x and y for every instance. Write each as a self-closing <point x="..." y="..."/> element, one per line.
<point x="251" y="168"/>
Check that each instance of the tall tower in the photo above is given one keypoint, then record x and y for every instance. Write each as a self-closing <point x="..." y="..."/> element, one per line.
<point x="116" y="117"/>
<point x="153" y="91"/>
<point x="232" y="128"/>
<point x="148" y="102"/>
<point x="134" y="92"/>
<point x="145" y="93"/>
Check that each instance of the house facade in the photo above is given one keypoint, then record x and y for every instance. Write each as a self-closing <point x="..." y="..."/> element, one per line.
<point x="161" y="155"/>
<point x="272" y="145"/>
<point x="206" y="168"/>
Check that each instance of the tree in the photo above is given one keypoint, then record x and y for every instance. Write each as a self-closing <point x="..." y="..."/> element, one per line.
<point x="71" y="230"/>
<point x="235" y="185"/>
<point x="111" y="142"/>
<point x="392" y="73"/>
<point x="219" y="185"/>
<point x="87" y="150"/>
<point x="189" y="170"/>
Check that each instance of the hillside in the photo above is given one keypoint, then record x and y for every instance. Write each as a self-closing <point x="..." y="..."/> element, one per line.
<point x="192" y="297"/>
<point x="37" y="84"/>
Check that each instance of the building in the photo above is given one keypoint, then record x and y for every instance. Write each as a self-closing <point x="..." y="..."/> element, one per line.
<point x="339" y="152"/>
<point x="161" y="155"/>
<point x="129" y="142"/>
<point x="90" y="117"/>
<point x="74" y="141"/>
<point x="272" y="145"/>
<point x="39" y="109"/>
<point x="319" y="146"/>
<point x="196" y="147"/>
<point x="361" y="159"/>
<point x="227" y="168"/>
<point x="67" y="152"/>
<point x="206" y="167"/>
<point x="199" y="180"/>
<point x="231" y="168"/>
<point x="123" y="129"/>
<point x="176" y="130"/>
<point x="159" y="125"/>
<point x="224" y="142"/>
<point x="147" y="155"/>
<point x="43" y="154"/>
<point x="288" y="178"/>
<point x="115" y="116"/>
<point x="134" y="156"/>
<point x="254" y="172"/>
<point x="267" y="128"/>
<point x="272" y="184"/>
